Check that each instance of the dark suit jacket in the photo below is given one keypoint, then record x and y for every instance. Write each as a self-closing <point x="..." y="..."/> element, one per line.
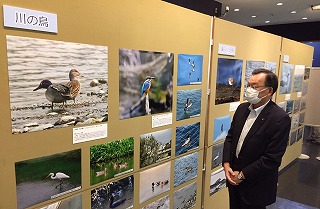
<point x="261" y="152"/>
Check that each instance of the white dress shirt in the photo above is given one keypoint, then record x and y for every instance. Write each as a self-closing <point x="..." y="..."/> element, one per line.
<point x="254" y="113"/>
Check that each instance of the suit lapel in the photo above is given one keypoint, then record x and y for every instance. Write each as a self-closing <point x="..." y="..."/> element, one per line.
<point x="258" y="123"/>
<point x="239" y="125"/>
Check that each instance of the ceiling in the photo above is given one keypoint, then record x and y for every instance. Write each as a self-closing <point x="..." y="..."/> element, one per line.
<point x="267" y="10"/>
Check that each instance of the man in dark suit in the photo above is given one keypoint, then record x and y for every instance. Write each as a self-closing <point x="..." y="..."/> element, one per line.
<point x="255" y="144"/>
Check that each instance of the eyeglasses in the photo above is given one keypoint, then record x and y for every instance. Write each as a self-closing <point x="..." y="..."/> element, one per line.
<point x="254" y="87"/>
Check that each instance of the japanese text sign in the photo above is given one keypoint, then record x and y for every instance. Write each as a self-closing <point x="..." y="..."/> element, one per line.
<point x="15" y="17"/>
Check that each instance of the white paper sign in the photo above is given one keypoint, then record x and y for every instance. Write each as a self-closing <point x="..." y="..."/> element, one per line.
<point x="299" y="94"/>
<point x="233" y="106"/>
<point x="287" y="97"/>
<point x="285" y="58"/>
<point x="227" y="50"/>
<point x="161" y="120"/>
<point x="88" y="133"/>
<point x="15" y="17"/>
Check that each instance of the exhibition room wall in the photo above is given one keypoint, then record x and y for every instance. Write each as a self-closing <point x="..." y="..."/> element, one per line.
<point x="114" y="144"/>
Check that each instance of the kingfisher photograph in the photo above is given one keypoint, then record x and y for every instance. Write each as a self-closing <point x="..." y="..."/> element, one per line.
<point x="145" y="82"/>
<point x="56" y="84"/>
<point x="48" y="177"/>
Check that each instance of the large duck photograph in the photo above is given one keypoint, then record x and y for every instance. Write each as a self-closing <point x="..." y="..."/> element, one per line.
<point x="56" y="84"/>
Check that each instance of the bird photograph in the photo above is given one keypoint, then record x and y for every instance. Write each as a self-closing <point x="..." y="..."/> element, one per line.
<point x="228" y="81"/>
<point x="216" y="155"/>
<point x="189" y="69"/>
<point x="116" y="194"/>
<point x="187" y="138"/>
<point x="60" y="79"/>
<point x="188" y="103"/>
<point x="60" y="177"/>
<point x="44" y="178"/>
<point x="145" y="83"/>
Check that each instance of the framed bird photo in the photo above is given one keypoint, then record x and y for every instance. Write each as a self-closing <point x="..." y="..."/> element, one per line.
<point x="154" y="181"/>
<point x="162" y="203"/>
<point x="116" y="194"/>
<point x="44" y="178"/>
<point x="217" y="151"/>
<point x="189" y="69"/>
<point x="145" y="82"/>
<point x="186" y="197"/>
<point x="187" y="138"/>
<point x="111" y="159"/>
<point x="155" y="147"/>
<point x="74" y="202"/>
<point x="286" y="78"/>
<point x="221" y="128"/>
<point x="56" y="84"/>
<point x="217" y="181"/>
<point x="228" y="86"/>
<point x="188" y="103"/>
<point x="185" y="168"/>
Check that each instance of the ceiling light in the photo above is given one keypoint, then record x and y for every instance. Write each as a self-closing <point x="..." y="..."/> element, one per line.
<point x="253" y="16"/>
<point x="315" y="7"/>
<point x="279" y="4"/>
<point x="267" y="21"/>
<point x="236" y="10"/>
<point x="293" y="12"/>
<point x="304" y="18"/>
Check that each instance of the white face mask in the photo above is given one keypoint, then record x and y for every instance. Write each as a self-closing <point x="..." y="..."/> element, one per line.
<point x="252" y="95"/>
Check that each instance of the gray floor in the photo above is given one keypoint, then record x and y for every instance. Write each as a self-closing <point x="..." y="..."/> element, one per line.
<point x="299" y="183"/>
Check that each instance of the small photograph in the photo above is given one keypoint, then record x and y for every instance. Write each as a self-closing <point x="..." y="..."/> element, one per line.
<point x="312" y="134"/>
<point x="155" y="146"/>
<point x="217" y="181"/>
<point x="289" y="107"/>
<point x="293" y="137"/>
<point x="303" y="103"/>
<point x="272" y="66"/>
<point x="221" y="128"/>
<point x="189" y="69"/>
<point x="286" y="78"/>
<point x="163" y="203"/>
<point x="48" y="177"/>
<point x="305" y="88"/>
<point x="68" y="80"/>
<point x="145" y="84"/>
<point x="301" y="119"/>
<point x="229" y="76"/>
<point x="306" y="73"/>
<point x="217" y="151"/>
<point x="187" y="138"/>
<point x="154" y="181"/>
<point x="185" y="197"/>
<point x="185" y="168"/>
<point x="298" y="78"/>
<point x="111" y="159"/>
<point x="283" y="105"/>
<point x="296" y="106"/>
<point x="299" y="134"/>
<point x="116" y="194"/>
<point x="188" y="103"/>
<point x="250" y="66"/>
<point x="294" y="121"/>
<point x="74" y="202"/>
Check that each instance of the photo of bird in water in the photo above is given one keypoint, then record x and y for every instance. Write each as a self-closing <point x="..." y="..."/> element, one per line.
<point x="61" y="84"/>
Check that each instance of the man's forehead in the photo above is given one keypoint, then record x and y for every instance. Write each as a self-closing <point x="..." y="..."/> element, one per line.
<point x="258" y="78"/>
